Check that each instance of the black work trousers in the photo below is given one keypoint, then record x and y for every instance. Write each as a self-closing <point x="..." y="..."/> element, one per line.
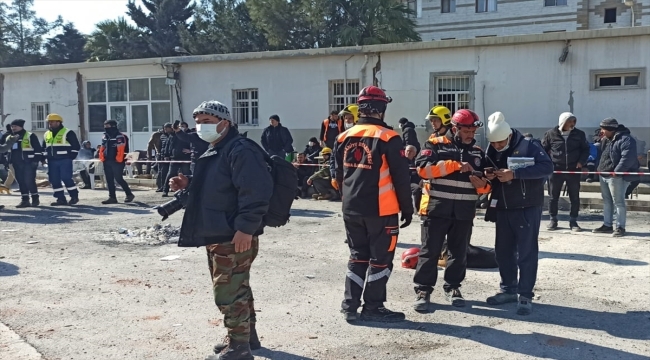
<point x="174" y="170"/>
<point x="434" y="233"/>
<point x="114" y="172"/>
<point x="163" y="170"/>
<point x="25" y="173"/>
<point x="416" y="190"/>
<point x="573" y="188"/>
<point x="372" y="242"/>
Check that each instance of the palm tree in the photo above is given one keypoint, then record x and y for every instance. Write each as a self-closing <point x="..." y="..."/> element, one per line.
<point x="117" y="40"/>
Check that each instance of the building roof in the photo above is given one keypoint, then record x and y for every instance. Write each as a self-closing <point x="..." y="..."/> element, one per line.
<point x="353" y="50"/>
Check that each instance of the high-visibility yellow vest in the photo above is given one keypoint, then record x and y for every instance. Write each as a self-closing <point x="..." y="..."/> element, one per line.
<point x="26" y="145"/>
<point x="58" y="140"/>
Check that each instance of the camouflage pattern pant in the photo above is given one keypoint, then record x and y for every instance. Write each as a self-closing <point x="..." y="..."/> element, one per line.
<point x="230" y="273"/>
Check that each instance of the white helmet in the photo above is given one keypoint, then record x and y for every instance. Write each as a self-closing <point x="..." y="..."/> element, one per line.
<point x="213" y="108"/>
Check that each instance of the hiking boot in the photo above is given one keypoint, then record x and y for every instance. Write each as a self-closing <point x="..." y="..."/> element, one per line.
<point x="442" y="260"/>
<point x="589" y="180"/>
<point x="235" y="350"/>
<point x="253" y="342"/>
<point x="325" y="197"/>
<point x="110" y="200"/>
<point x="422" y="301"/>
<point x="350" y="316"/>
<point x="315" y="196"/>
<point x="129" y="198"/>
<point x="59" y="202"/>
<point x="455" y="297"/>
<point x="552" y="225"/>
<point x="74" y="201"/>
<point x="381" y="315"/>
<point x="35" y="201"/>
<point x="620" y="232"/>
<point x="574" y="226"/>
<point x="524" y="306"/>
<point x="603" y="230"/>
<point x="24" y="203"/>
<point x="501" y="298"/>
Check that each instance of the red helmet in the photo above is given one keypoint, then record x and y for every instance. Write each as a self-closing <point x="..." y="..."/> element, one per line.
<point x="410" y="258"/>
<point x="465" y="118"/>
<point x="369" y="93"/>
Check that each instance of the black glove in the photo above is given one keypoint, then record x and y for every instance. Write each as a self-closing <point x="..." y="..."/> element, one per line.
<point x="406" y="218"/>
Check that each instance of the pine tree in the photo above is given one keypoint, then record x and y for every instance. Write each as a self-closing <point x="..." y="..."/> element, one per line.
<point x="67" y="47"/>
<point x="117" y="40"/>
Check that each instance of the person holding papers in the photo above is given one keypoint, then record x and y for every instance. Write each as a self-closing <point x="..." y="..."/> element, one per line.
<point x="519" y="169"/>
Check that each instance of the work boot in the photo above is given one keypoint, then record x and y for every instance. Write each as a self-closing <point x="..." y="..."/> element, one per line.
<point x="24" y="203"/>
<point x="524" y="306"/>
<point x="315" y="196"/>
<point x="325" y="197"/>
<point x="350" y="316"/>
<point x="235" y="350"/>
<point x="159" y="190"/>
<point x="129" y="198"/>
<point x="574" y="226"/>
<point x="422" y="301"/>
<point x="110" y="200"/>
<point x="620" y="232"/>
<point x="603" y="230"/>
<point x="35" y="201"/>
<point x="60" y="202"/>
<point x="74" y="201"/>
<point x="455" y="297"/>
<point x="552" y="225"/>
<point x="253" y="342"/>
<point x="382" y="315"/>
<point x="501" y="298"/>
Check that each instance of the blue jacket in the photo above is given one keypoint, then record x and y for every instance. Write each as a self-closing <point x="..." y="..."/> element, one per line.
<point x="593" y="153"/>
<point x="527" y="187"/>
<point x="622" y="154"/>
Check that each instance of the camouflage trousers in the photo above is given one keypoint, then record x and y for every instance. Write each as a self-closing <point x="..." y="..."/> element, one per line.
<point x="230" y="273"/>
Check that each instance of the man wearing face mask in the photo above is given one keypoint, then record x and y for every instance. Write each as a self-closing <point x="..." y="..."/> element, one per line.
<point x="516" y="207"/>
<point x="112" y="153"/>
<point x="225" y="201"/>
<point x="569" y="151"/>
<point x="453" y="165"/>
<point x="312" y="150"/>
<point x="350" y="115"/>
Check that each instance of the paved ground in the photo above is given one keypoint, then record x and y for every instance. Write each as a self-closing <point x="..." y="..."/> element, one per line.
<point x="83" y="292"/>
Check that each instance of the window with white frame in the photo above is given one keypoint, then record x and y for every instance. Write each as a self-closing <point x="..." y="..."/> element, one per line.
<point x="342" y="93"/>
<point x="486" y="6"/>
<point x="448" y="6"/>
<point x="554" y="2"/>
<point x="617" y="79"/>
<point x="245" y="107"/>
<point x="453" y="91"/>
<point x="39" y="114"/>
<point x="138" y="105"/>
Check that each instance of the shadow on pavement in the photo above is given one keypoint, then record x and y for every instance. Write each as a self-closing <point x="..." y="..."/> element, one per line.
<point x="265" y="353"/>
<point x="311" y="213"/>
<point x="7" y="269"/>
<point x="583" y="257"/>
<point x="534" y="344"/>
<point x="67" y="214"/>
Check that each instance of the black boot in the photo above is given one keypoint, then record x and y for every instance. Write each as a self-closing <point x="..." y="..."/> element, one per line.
<point x="254" y="341"/>
<point x="129" y="198"/>
<point x="74" y="200"/>
<point x="110" y="200"/>
<point x="60" y="202"/>
<point x="236" y="350"/>
<point x="24" y="203"/>
<point x="35" y="201"/>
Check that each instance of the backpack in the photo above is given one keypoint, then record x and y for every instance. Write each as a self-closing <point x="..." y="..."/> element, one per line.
<point x="285" y="183"/>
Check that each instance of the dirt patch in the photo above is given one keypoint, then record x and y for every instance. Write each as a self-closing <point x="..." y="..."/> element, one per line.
<point x="152" y="317"/>
<point x="126" y="282"/>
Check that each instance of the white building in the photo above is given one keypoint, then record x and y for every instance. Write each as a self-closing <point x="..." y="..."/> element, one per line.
<point x="531" y="79"/>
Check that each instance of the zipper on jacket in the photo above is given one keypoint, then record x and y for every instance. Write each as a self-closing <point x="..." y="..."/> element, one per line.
<point x="566" y="151"/>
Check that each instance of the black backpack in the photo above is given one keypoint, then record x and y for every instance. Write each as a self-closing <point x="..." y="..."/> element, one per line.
<point x="285" y="183"/>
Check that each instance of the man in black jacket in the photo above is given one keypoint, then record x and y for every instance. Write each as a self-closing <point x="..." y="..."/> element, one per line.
<point x="569" y="150"/>
<point x="197" y="146"/>
<point x="409" y="136"/>
<point x="225" y="202"/>
<point x="163" y="157"/>
<point x="180" y="154"/>
<point x="312" y="150"/>
<point x="24" y="157"/>
<point x="276" y="139"/>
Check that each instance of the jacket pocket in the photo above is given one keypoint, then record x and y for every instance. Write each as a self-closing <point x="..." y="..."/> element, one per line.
<point x="214" y="223"/>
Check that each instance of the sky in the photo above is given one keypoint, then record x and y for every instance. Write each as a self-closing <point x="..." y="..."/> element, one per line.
<point x="83" y="13"/>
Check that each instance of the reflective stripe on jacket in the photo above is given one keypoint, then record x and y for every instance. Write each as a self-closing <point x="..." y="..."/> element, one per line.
<point x="117" y="145"/>
<point x="62" y="145"/>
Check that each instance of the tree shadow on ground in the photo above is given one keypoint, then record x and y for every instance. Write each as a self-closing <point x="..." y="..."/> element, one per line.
<point x="534" y="344"/>
<point x="265" y="353"/>
<point x="7" y="269"/>
<point x="311" y="213"/>
<point x="583" y="257"/>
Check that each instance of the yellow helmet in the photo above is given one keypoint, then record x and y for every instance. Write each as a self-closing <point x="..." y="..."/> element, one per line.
<point x="54" y="117"/>
<point x="352" y="109"/>
<point x="441" y="112"/>
<point x="326" y="151"/>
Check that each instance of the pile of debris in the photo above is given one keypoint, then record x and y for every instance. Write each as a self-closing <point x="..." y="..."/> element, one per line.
<point x="151" y="235"/>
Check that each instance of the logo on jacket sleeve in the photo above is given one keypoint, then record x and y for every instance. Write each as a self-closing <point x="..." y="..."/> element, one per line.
<point x="426" y="152"/>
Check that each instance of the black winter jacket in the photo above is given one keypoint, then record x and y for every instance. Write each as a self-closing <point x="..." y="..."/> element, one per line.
<point x="197" y="145"/>
<point x="311" y="152"/>
<point x="619" y="154"/>
<point x="527" y="188"/>
<point x="409" y="136"/>
<point x="229" y="192"/>
<point x="276" y="139"/>
<point x="164" y="139"/>
<point x="17" y="155"/>
<point x="175" y="147"/>
<point x="566" y="154"/>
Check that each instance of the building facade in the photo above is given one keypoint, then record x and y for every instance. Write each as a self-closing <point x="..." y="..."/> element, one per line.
<point x="464" y="19"/>
<point x="531" y="79"/>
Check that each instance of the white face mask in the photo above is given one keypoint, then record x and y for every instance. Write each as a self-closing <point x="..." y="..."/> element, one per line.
<point x="208" y="132"/>
<point x="347" y="126"/>
<point x="311" y="143"/>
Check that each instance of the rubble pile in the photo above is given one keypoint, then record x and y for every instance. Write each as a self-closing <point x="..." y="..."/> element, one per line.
<point x="151" y="235"/>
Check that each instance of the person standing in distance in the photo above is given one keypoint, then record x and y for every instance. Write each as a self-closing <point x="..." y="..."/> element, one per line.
<point x="61" y="147"/>
<point x="112" y="153"/>
<point x="225" y="201"/>
<point x="373" y="175"/>
<point x="24" y="156"/>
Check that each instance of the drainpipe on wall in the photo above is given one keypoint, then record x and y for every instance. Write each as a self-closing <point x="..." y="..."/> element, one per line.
<point x="81" y="107"/>
<point x="345" y="76"/>
<point x="362" y="72"/>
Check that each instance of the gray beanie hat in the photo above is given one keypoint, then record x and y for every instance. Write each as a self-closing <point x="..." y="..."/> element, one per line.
<point x="213" y="108"/>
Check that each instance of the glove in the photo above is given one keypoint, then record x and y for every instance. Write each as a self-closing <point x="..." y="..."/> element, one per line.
<point x="406" y="218"/>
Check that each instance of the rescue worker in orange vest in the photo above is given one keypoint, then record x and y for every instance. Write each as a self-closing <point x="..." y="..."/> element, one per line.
<point x="440" y="118"/>
<point x="112" y="153"/>
<point x="453" y="165"/>
<point x="330" y="129"/>
<point x="373" y="175"/>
